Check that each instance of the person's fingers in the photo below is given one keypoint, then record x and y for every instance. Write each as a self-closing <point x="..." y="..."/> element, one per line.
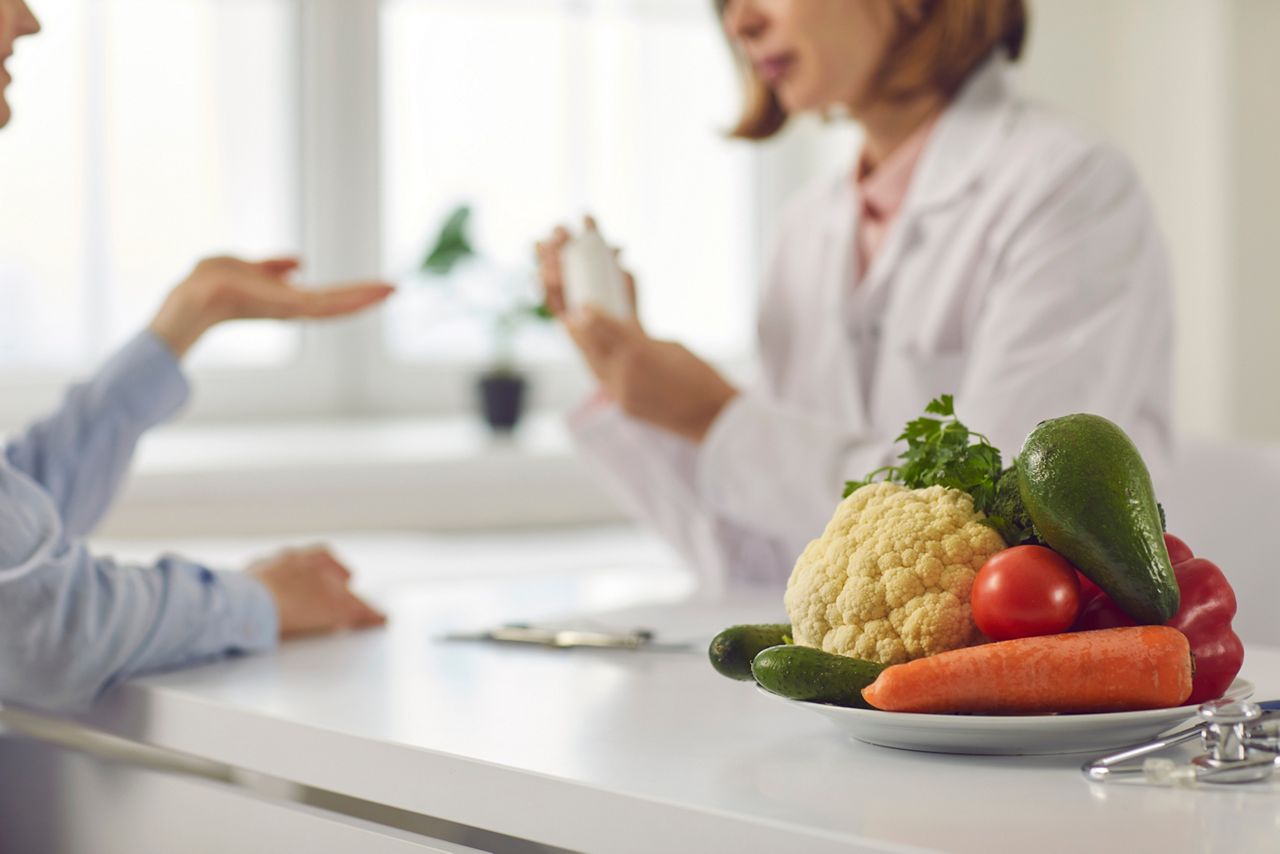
<point x="629" y="281"/>
<point x="550" y="275"/>
<point x="597" y="333"/>
<point x="594" y="344"/>
<point x="351" y="611"/>
<point x="340" y="300"/>
<point x="554" y="299"/>
<point x="254" y="294"/>
<point x="278" y="267"/>
<point x="556" y="240"/>
<point x="333" y="565"/>
<point x="594" y="359"/>
<point x="553" y="296"/>
<point x="582" y="329"/>
<point x="602" y="323"/>
<point x="549" y="262"/>
<point x="365" y="615"/>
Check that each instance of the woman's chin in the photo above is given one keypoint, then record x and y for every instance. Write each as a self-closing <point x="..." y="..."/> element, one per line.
<point x="797" y="99"/>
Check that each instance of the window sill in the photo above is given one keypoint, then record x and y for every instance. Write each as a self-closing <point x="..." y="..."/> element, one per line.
<point x="316" y="475"/>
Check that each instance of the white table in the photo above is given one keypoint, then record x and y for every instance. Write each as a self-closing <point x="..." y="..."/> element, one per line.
<point x="606" y="751"/>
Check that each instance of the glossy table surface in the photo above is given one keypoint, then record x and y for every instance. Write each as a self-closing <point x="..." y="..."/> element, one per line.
<point x="629" y="751"/>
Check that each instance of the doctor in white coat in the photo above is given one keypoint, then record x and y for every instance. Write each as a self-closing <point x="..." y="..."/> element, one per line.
<point x="983" y="247"/>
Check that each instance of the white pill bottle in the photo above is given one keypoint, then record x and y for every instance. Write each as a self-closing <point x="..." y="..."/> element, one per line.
<point x="592" y="275"/>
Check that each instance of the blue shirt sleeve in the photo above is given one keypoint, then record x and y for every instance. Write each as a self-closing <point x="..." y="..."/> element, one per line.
<point x="81" y="453"/>
<point x="73" y="624"/>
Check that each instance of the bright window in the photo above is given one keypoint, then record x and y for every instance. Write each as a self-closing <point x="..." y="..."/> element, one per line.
<point x="535" y="112"/>
<point x="150" y="133"/>
<point x="146" y="135"/>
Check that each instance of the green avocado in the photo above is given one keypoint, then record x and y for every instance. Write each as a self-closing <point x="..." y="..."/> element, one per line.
<point x="805" y="673"/>
<point x="733" y="649"/>
<point x="1090" y="496"/>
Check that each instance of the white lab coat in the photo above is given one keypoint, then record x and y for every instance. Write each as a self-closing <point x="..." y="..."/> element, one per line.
<point x="1024" y="273"/>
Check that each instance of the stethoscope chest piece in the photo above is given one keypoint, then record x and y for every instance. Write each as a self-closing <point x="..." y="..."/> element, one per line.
<point x="1241" y="742"/>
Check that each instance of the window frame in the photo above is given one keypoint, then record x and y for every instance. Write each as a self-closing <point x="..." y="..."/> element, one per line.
<point x="345" y="369"/>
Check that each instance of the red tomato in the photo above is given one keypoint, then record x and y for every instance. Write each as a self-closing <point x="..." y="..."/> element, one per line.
<point x="1025" y="591"/>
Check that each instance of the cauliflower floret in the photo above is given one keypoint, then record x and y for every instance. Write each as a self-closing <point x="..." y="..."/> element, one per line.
<point x="889" y="579"/>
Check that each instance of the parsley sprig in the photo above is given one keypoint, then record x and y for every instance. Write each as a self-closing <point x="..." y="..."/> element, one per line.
<point x="943" y="452"/>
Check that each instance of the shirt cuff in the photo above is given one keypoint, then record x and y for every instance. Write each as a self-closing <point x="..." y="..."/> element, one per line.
<point x="251" y="621"/>
<point x="144" y="380"/>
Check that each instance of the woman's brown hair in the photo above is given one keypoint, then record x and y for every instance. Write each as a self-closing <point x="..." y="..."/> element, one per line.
<point x="952" y="38"/>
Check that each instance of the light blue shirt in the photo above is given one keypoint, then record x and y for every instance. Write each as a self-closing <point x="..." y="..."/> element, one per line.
<point x="72" y="624"/>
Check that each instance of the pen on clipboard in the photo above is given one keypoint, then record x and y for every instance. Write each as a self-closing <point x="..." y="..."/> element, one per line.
<point x="638" y="640"/>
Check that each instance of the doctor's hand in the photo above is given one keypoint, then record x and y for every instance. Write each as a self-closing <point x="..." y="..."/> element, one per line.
<point x="221" y="289"/>
<point x="312" y="593"/>
<point x="660" y="382"/>
<point x="549" y="270"/>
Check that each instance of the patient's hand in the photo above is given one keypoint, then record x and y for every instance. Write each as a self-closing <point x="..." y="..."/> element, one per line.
<point x="221" y="289"/>
<point x="312" y="593"/>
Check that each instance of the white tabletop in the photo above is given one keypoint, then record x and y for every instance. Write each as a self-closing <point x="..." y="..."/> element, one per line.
<point x="636" y="752"/>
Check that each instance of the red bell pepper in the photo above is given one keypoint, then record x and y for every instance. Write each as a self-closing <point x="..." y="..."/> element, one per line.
<point x="1207" y="605"/>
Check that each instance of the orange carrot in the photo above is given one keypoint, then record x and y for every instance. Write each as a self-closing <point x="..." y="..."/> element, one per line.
<point x="1109" y="670"/>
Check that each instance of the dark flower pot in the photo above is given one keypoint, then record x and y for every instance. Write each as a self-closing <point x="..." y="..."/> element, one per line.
<point x="502" y="396"/>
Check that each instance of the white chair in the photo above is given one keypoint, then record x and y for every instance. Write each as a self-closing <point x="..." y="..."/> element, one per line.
<point x="1224" y="500"/>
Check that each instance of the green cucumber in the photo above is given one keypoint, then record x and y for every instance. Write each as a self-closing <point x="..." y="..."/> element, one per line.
<point x="1089" y="493"/>
<point x="733" y="649"/>
<point x="805" y="673"/>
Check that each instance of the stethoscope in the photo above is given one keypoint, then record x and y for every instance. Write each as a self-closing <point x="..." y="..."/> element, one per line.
<point x="1241" y="742"/>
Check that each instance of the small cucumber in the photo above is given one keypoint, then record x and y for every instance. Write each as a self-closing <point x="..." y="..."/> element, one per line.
<point x="733" y="649"/>
<point x="805" y="673"/>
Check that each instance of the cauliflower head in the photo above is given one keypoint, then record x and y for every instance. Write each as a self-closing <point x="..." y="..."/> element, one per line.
<point x="889" y="579"/>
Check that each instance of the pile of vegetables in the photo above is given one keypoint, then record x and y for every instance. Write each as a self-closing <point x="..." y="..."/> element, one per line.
<point x="950" y="583"/>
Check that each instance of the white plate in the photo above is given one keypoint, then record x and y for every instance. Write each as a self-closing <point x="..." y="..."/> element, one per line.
<point x="1006" y="735"/>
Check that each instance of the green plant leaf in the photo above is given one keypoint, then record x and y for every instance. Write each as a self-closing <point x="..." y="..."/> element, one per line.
<point x="451" y="245"/>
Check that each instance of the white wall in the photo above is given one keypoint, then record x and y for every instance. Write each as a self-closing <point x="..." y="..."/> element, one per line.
<point x="1187" y="88"/>
<point x="1153" y="77"/>
<point x="1255" y="220"/>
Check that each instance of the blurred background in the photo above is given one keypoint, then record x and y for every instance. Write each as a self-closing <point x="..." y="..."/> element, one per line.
<point x="150" y="133"/>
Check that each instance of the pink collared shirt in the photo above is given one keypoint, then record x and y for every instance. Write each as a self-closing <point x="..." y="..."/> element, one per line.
<point x="881" y="192"/>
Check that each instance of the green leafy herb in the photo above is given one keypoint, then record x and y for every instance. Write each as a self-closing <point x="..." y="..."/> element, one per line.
<point x="943" y="452"/>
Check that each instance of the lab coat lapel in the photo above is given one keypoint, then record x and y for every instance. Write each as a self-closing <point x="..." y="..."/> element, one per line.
<point x="902" y="234"/>
<point x="952" y="163"/>
<point x="838" y="275"/>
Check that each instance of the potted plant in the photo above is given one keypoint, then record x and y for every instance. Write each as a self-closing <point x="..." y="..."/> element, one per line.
<point x="502" y="296"/>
